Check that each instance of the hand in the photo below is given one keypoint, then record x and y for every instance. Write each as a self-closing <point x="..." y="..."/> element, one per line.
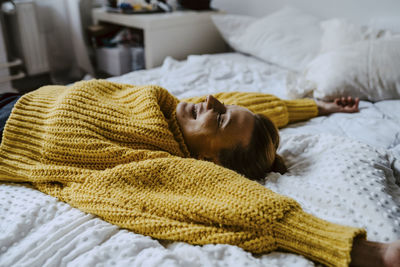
<point x="368" y="253"/>
<point x="343" y="104"/>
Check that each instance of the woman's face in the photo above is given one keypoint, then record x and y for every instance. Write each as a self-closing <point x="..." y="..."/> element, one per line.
<point x="211" y="126"/>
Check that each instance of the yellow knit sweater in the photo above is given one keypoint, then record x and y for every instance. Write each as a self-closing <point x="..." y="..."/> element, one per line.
<point x="116" y="151"/>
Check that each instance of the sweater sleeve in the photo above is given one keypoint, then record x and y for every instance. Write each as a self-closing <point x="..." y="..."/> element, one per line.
<point x="201" y="203"/>
<point x="301" y="109"/>
<point x="281" y="112"/>
<point x="328" y="243"/>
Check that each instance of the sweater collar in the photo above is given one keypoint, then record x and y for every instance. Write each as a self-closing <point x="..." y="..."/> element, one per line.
<point x="169" y="112"/>
<point x="174" y="126"/>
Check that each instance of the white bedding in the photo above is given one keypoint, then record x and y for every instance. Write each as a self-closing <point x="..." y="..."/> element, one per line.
<point x="343" y="168"/>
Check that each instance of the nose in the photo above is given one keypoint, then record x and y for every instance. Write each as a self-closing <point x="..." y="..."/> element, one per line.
<point x="213" y="103"/>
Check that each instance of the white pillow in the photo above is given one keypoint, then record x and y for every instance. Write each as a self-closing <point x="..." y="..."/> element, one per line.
<point x="338" y="32"/>
<point x="289" y="37"/>
<point x="367" y="69"/>
<point x="232" y="27"/>
<point x="391" y="24"/>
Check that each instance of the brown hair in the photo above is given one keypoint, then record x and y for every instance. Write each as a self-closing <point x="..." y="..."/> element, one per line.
<point x="259" y="157"/>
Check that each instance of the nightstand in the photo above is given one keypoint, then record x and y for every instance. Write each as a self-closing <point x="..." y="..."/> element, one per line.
<point x="176" y="34"/>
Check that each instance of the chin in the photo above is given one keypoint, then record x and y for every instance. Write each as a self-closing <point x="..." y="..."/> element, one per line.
<point x="180" y="111"/>
<point x="182" y="115"/>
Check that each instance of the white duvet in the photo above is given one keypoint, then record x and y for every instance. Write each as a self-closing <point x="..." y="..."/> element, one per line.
<point x="343" y="168"/>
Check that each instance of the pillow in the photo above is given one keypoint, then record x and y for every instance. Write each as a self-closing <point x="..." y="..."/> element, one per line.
<point x="391" y="24"/>
<point x="232" y="27"/>
<point x="338" y="32"/>
<point x="367" y="69"/>
<point x="289" y="37"/>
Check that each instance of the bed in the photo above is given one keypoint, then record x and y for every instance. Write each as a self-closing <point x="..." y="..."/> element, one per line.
<point x="344" y="168"/>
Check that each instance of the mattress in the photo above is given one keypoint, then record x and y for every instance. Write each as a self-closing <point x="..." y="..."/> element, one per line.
<point x="344" y="168"/>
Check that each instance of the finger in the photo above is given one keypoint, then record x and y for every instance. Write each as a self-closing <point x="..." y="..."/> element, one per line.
<point x="337" y="101"/>
<point x="354" y="102"/>
<point x="350" y="109"/>
<point x="350" y="100"/>
<point x="343" y="101"/>
<point x="357" y="103"/>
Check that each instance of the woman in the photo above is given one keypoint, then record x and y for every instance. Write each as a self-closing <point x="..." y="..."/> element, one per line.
<point x="125" y="153"/>
<point x="236" y="138"/>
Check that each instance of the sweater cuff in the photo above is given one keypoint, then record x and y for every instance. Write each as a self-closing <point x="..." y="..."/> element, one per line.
<point x="319" y="240"/>
<point x="301" y="109"/>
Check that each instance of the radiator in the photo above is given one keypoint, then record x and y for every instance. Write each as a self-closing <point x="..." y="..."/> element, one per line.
<point x="5" y="84"/>
<point x="31" y="42"/>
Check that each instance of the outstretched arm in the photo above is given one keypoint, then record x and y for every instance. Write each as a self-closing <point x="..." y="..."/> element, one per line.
<point x="280" y="112"/>
<point x="275" y="108"/>
<point x="343" y="104"/>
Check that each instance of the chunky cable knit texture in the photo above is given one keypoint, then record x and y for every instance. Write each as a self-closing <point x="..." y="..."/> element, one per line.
<point x="116" y="151"/>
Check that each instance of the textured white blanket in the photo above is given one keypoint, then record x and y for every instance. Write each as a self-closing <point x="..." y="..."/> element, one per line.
<point x="343" y="168"/>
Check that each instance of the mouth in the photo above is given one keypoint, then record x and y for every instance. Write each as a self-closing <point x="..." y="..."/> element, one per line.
<point x="194" y="112"/>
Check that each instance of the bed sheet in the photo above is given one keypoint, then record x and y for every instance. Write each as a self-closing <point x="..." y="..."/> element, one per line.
<point x="343" y="168"/>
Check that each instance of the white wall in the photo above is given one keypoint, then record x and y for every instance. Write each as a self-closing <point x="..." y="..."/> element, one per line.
<point x="356" y="10"/>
